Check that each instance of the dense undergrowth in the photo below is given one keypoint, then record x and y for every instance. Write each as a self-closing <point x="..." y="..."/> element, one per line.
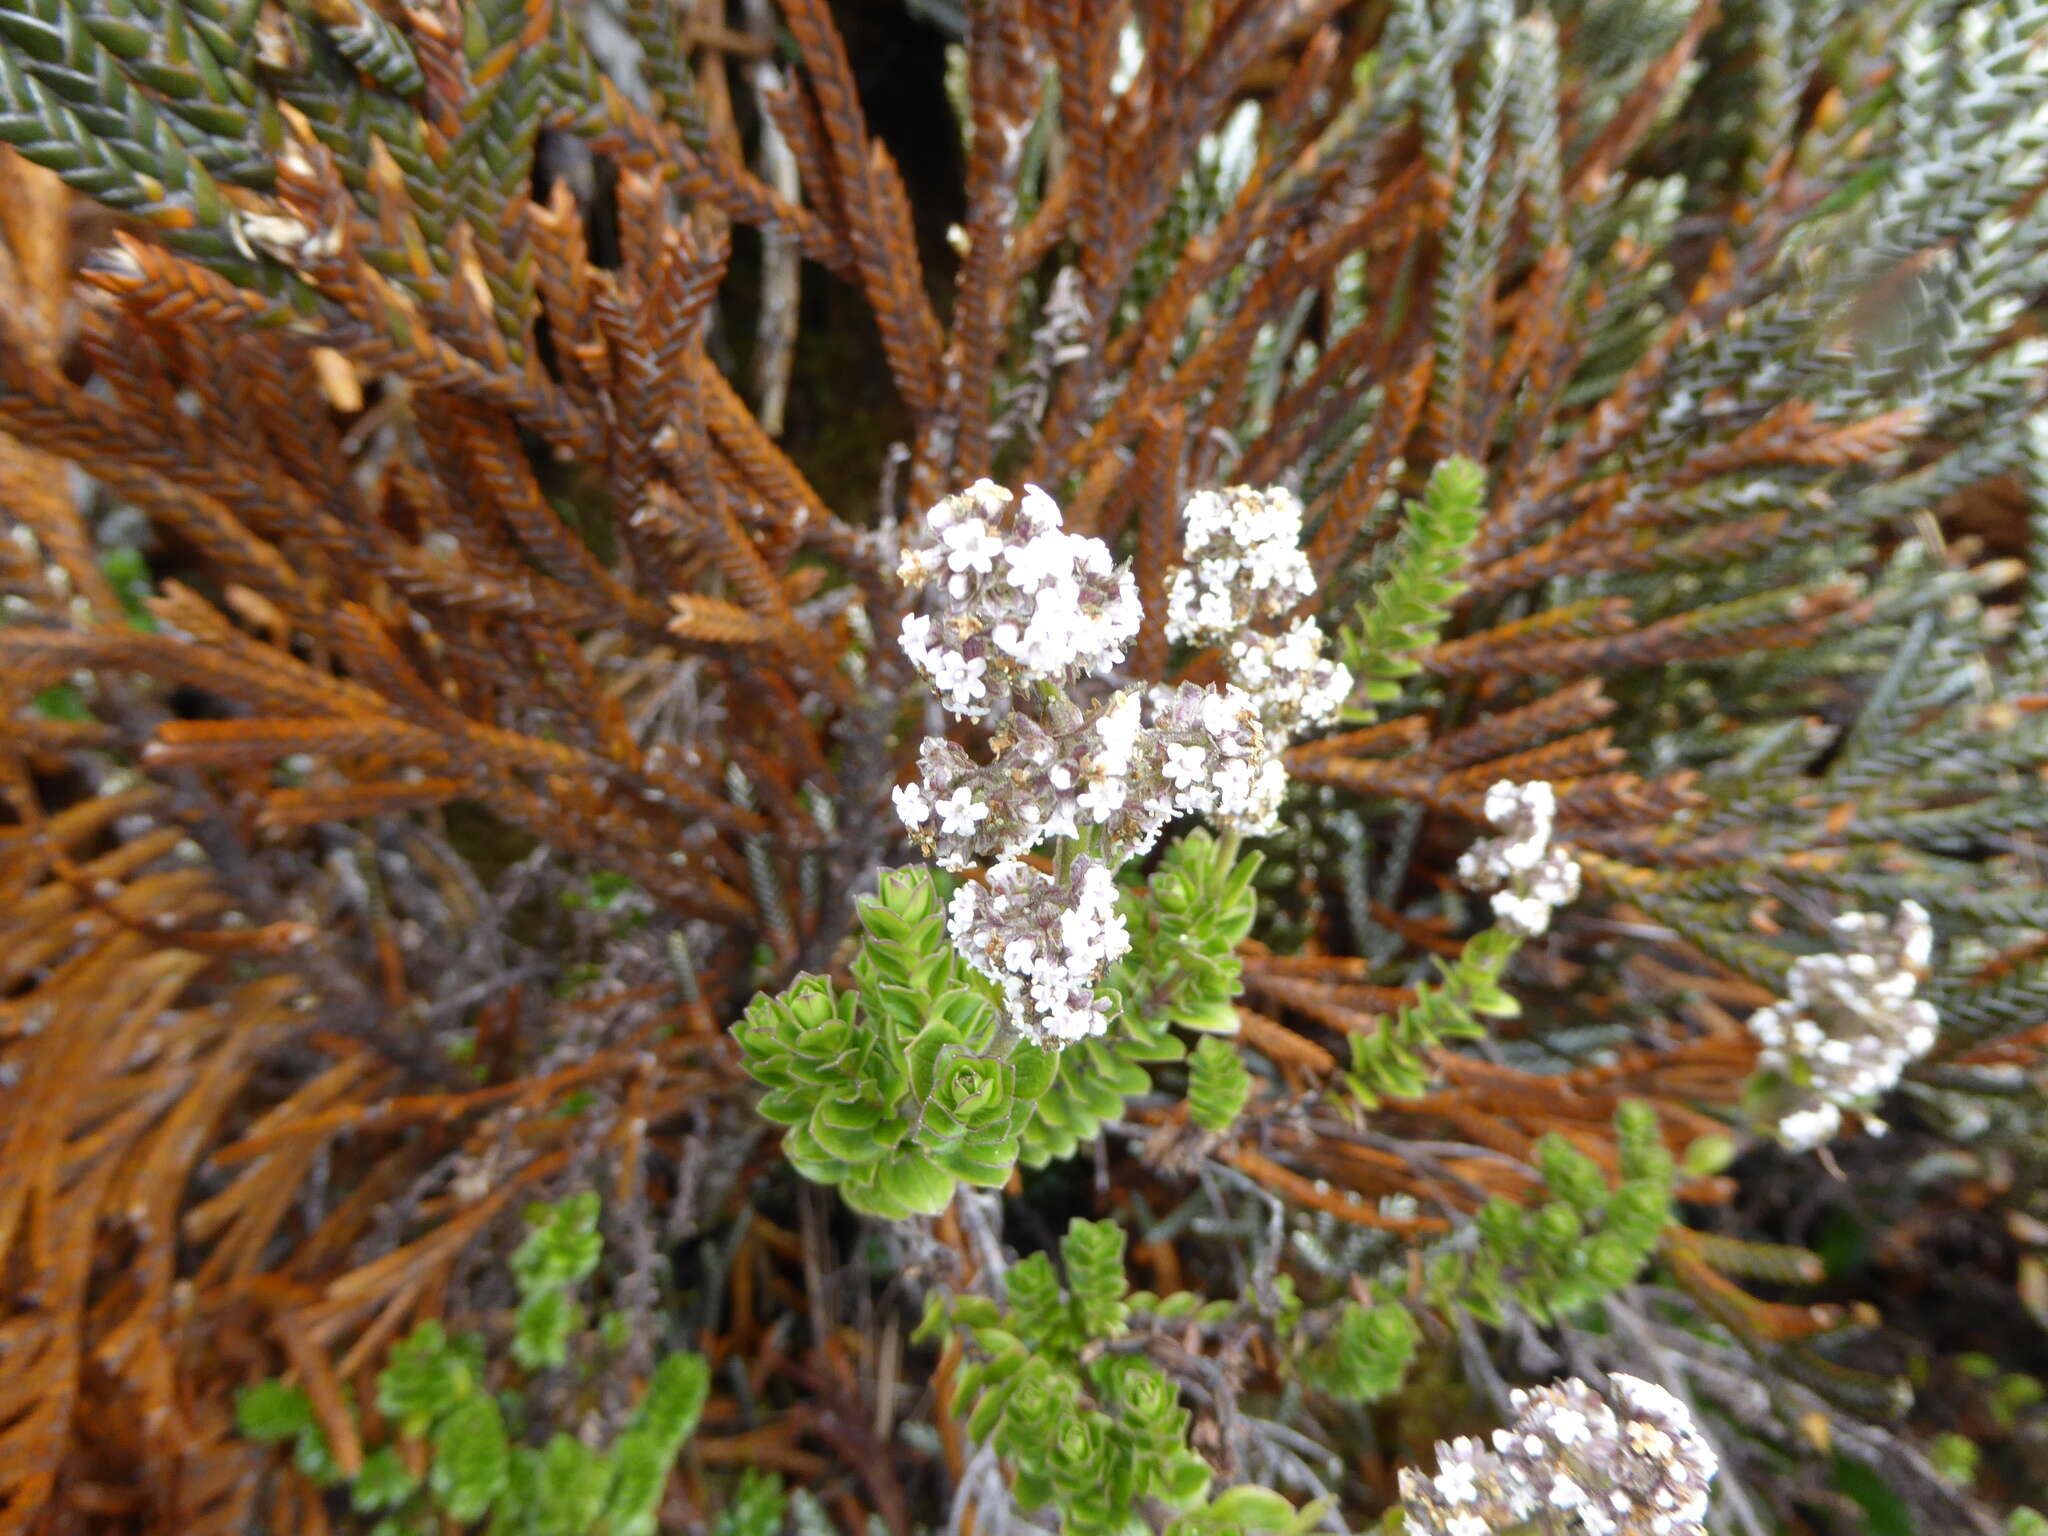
<point x="1302" y="791"/>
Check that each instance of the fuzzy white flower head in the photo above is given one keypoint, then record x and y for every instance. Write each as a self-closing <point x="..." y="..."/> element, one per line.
<point x="1125" y="768"/>
<point x="1018" y="600"/>
<point x="1049" y="777"/>
<point x="1244" y="561"/>
<point x="1848" y="1026"/>
<point x="1046" y="940"/>
<point x="1572" y="1465"/>
<point x="1222" y="764"/>
<point x="1021" y="611"/>
<point x="1295" y="687"/>
<point x="1528" y="874"/>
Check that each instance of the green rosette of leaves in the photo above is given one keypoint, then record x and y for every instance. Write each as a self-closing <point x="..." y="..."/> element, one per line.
<point x="972" y="1105"/>
<point x="828" y="1079"/>
<point x="904" y="1088"/>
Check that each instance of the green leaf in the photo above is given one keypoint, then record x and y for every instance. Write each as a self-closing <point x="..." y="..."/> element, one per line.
<point x="1186" y="1478"/>
<point x="1218" y="1084"/>
<point x="1408" y="608"/>
<point x="1367" y="1354"/>
<point x="569" y="1485"/>
<point x="423" y="1378"/>
<point x="383" y="1482"/>
<point x="640" y="1469"/>
<point x="271" y="1411"/>
<point x="757" y="1508"/>
<point x="315" y="1458"/>
<point x="1955" y="1457"/>
<point x="1884" y="1512"/>
<point x="914" y="1183"/>
<point x="61" y="701"/>
<point x="541" y="1329"/>
<point x="1093" y="1252"/>
<point x="472" y="1458"/>
<point x="562" y="1247"/>
<point x="1251" y="1507"/>
<point x="675" y="1397"/>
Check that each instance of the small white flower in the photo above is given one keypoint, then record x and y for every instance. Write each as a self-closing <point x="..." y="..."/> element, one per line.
<point x="1456" y="1483"/>
<point x="1039" y="510"/>
<point x="916" y="637"/>
<point x="959" y="813"/>
<point x="960" y="678"/>
<point x="1848" y="1026"/>
<point x="961" y="912"/>
<point x="1186" y="765"/>
<point x="1102" y="798"/>
<point x="970" y="546"/>
<point x="912" y="806"/>
<point x="1529" y="875"/>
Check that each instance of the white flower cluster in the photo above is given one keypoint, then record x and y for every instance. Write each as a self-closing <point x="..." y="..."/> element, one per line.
<point x="1850" y="1025"/>
<point x="1024" y="600"/>
<point x="1024" y="611"/>
<point x="1045" y="940"/>
<point x="1296" y="687"/>
<point x="1126" y="768"/>
<point x="1571" y="1465"/>
<point x="1244" y="563"/>
<point x="1528" y="874"/>
<point x="1217" y="757"/>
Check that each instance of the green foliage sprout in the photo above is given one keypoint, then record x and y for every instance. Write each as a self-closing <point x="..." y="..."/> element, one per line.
<point x="1366" y="1354"/>
<point x="434" y="1392"/>
<point x="758" y="1506"/>
<point x="909" y="1085"/>
<point x="1409" y="605"/>
<point x="1218" y="1084"/>
<point x="1087" y="1423"/>
<point x="559" y="1252"/>
<point x="1586" y="1242"/>
<point x="1392" y="1062"/>
<point x="902" y="1089"/>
